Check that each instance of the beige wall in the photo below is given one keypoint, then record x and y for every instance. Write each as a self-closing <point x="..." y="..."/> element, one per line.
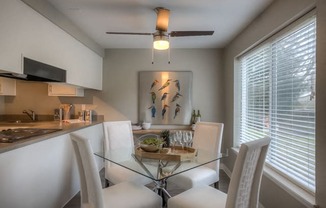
<point x="30" y="96"/>
<point x="320" y="105"/>
<point x="120" y="79"/>
<point x="34" y="96"/>
<point x="2" y="106"/>
<point x="275" y="17"/>
<point x="119" y="98"/>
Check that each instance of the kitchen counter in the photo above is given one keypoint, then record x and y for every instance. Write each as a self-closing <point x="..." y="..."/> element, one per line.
<point x="66" y="128"/>
<point x="41" y="171"/>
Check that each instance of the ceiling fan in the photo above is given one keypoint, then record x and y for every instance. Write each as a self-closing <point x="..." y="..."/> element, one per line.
<point x="161" y="36"/>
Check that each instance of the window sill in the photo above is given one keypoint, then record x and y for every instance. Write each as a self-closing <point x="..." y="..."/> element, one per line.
<point x="298" y="193"/>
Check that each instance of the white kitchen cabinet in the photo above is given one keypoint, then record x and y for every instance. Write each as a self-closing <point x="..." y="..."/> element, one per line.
<point x="7" y="86"/>
<point x="10" y="38"/>
<point x="65" y="90"/>
<point x="24" y="32"/>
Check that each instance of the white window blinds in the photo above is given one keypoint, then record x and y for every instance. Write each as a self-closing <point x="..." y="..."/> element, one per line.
<point x="278" y="100"/>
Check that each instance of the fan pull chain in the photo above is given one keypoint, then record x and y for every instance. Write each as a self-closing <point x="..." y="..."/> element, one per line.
<point x="152" y="55"/>
<point x="169" y="57"/>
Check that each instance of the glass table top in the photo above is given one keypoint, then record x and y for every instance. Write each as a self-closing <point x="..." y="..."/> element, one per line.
<point x="163" y="166"/>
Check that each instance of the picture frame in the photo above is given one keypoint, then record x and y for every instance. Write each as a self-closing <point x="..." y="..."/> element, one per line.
<point x="165" y="97"/>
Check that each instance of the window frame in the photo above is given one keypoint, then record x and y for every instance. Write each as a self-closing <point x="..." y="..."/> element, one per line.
<point x="238" y="89"/>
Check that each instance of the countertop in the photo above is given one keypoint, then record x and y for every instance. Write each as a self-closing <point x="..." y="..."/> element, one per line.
<point x="157" y="131"/>
<point x="66" y="128"/>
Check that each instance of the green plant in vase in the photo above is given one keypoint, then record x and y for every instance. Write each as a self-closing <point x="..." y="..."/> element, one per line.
<point x="165" y="134"/>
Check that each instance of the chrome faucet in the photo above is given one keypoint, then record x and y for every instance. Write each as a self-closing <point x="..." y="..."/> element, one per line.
<point x="30" y="115"/>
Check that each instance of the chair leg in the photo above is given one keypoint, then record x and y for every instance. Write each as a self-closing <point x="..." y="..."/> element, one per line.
<point x="217" y="185"/>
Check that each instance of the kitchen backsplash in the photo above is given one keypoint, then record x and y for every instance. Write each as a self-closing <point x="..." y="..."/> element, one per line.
<point x="34" y="96"/>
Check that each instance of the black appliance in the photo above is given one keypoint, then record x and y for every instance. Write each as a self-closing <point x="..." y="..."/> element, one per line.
<point x="38" y="71"/>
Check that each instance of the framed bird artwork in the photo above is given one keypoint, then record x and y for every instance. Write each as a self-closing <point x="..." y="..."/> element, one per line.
<point x="165" y="97"/>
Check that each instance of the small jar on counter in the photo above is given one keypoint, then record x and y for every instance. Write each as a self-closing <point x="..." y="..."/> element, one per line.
<point x="88" y="115"/>
<point x="81" y="115"/>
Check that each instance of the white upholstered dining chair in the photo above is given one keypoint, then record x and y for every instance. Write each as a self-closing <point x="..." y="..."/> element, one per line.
<point x="118" y="134"/>
<point x="244" y="185"/>
<point x="122" y="195"/>
<point x="208" y="137"/>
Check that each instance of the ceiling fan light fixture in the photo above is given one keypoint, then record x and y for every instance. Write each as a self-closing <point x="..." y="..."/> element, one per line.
<point x="162" y="20"/>
<point x="161" y="42"/>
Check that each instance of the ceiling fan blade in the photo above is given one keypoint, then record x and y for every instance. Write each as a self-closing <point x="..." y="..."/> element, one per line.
<point x="162" y="20"/>
<point x="190" y="33"/>
<point x="128" y="33"/>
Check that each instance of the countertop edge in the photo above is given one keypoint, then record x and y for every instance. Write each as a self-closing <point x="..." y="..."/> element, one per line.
<point x="66" y="129"/>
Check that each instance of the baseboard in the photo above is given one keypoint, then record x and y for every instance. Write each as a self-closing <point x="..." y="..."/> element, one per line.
<point x="225" y="169"/>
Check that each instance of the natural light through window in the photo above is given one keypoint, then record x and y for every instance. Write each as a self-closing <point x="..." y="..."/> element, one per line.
<point x="277" y="99"/>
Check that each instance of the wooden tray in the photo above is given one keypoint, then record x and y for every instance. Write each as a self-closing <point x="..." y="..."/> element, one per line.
<point x="177" y="154"/>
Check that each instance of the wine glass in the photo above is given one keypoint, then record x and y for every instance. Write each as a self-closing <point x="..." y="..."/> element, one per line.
<point x="179" y="138"/>
<point x="184" y="138"/>
<point x="188" y="138"/>
<point x="173" y="141"/>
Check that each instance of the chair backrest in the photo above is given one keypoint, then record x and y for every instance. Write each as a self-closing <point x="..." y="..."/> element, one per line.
<point x="118" y="134"/>
<point x="90" y="184"/>
<point x="208" y="137"/>
<point x="246" y="175"/>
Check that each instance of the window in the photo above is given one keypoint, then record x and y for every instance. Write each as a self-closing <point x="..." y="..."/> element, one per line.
<point x="277" y="99"/>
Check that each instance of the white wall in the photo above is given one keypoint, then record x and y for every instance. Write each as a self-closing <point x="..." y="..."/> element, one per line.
<point x="279" y="14"/>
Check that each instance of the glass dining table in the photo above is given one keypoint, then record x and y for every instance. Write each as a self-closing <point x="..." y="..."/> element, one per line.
<point x="160" y="167"/>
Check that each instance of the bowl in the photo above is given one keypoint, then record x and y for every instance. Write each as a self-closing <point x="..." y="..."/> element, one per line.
<point x="151" y="144"/>
<point x="146" y="125"/>
<point x="149" y="147"/>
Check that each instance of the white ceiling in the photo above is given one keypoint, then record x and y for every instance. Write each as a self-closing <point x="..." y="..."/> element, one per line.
<point x="95" y="17"/>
